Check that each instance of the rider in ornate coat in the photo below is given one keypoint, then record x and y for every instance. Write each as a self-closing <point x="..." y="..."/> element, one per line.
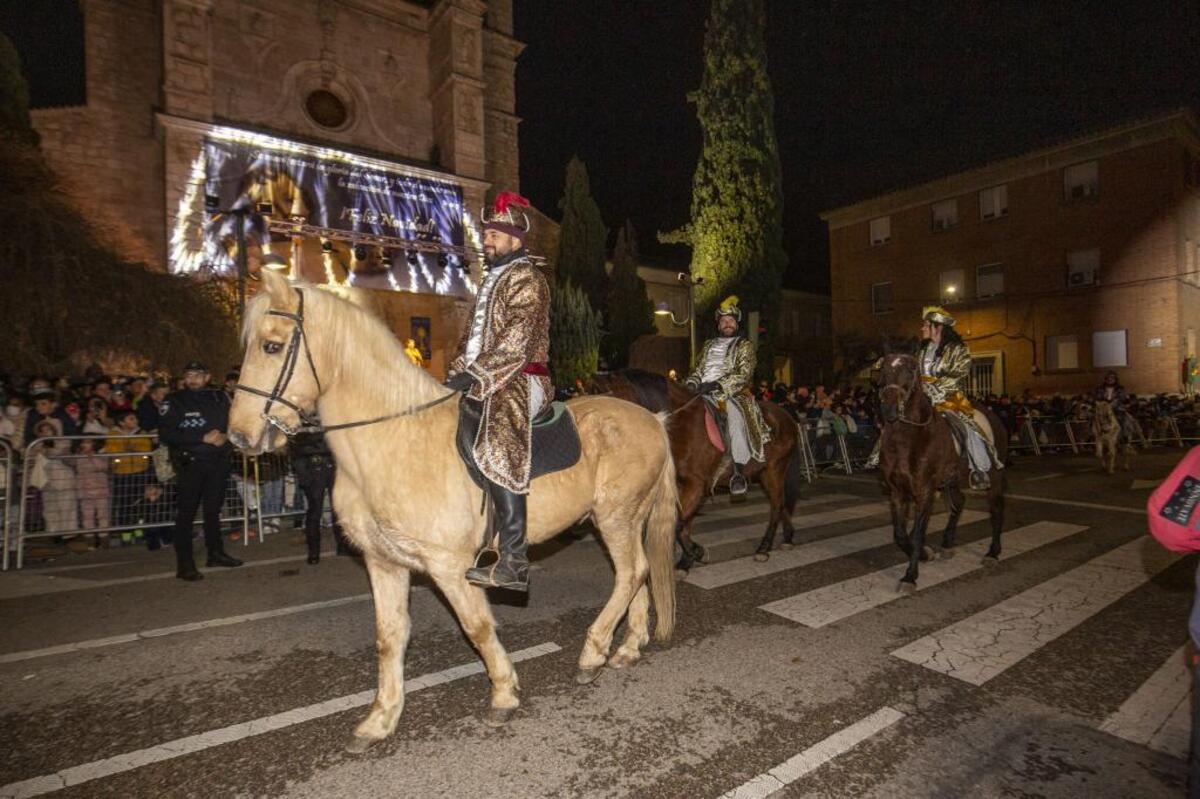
<point x="503" y="365"/>
<point x="1112" y="392"/>
<point x="945" y="363"/>
<point x="724" y="371"/>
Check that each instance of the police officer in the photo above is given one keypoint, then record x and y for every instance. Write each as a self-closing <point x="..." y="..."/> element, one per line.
<point x="313" y="465"/>
<point x="192" y="422"/>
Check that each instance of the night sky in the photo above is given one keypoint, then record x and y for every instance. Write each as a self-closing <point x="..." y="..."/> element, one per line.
<point x="869" y="96"/>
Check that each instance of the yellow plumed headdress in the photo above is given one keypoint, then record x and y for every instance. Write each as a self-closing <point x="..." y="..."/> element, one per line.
<point x="937" y="314"/>
<point x="729" y="307"/>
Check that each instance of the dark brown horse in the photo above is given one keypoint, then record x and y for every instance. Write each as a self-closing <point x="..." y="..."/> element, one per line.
<point x="697" y="461"/>
<point x="917" y="459"/>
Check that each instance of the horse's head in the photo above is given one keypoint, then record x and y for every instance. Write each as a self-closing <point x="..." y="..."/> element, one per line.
<point x="278" y="375"/>
<point x="899" y="379"/>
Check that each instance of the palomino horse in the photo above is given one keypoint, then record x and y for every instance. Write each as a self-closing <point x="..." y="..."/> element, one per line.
<point x="697" y="460"/>
<point x="917" y="459"/>
<point x="1110" y="438"/>
<point x="406" y="501"/>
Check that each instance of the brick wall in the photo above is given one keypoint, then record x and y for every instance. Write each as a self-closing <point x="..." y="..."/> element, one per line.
<point x="1133" y="222"/>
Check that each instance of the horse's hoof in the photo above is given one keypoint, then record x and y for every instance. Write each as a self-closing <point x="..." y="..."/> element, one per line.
<point x="359" y="744"/>
<point x="620" y="661"/>
<point x="699" y="554"/>
<point x="499" y="716"/>
<point x="990" y="561"/>
<point x="945" y="554"/>
<point x="927" y="553"/>
<point x="680" y="574"/>
<point x="787" y="545"/>
<point x="762" y="557"/>
<point x="905" y="587"/>
<point x="587" y="676"/>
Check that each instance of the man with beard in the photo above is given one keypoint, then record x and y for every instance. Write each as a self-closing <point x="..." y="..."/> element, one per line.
<point x="502" y="368"/>
<point x="723" y="374"/>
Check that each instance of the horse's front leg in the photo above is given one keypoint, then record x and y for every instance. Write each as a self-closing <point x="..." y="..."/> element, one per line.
<point x="389" y="584"/>
<point x="900" y="524"/>
<point x="918" y="552"/>
<point x="955" y="502"/>
<point x="691" y="497"/>
<point x="996" y="511"/>
<point x="470" y="605"/>
<point x="772" y="481"/>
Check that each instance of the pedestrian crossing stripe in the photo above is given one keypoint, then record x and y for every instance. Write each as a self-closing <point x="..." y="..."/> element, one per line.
<point x="806" y="521"/>
<point x="982" y="646"/>
<point x="838" y="601"/>
<point x="1158" y="714"/>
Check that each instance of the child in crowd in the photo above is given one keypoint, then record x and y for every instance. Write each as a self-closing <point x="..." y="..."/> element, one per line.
<point x="155" y="507"/>
<point x="56" y="478"/>
<point x="91" y="470"/>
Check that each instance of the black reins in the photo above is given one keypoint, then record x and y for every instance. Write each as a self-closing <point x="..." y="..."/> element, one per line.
<point x="309" y="423"/>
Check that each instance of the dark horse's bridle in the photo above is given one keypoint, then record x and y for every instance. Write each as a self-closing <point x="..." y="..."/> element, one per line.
<point x="309" y="423"/>
<point x="905" y="394"/>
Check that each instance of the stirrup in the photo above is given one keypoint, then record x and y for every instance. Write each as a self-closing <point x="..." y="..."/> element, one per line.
<point x="979" y="481"/>
<point x="738" y="485"/>
<point x="515" y="578"/>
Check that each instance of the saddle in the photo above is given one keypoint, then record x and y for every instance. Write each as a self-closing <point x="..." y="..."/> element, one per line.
<point x="715" y="425"/>
<point x="959" y="431"/>
<point x="555" y="440"/>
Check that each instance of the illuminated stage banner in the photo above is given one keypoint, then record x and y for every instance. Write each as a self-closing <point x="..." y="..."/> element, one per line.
<point x="335" y="191"/>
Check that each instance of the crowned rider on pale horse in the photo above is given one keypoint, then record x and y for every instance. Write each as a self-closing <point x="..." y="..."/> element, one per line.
<point x="723" y="375"/>
<point x="945" y="363"/>
<point x="502" y="365"/>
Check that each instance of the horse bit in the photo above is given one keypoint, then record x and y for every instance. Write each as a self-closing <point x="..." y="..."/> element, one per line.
<point x="308" y="423"/>
<point x="905" y="393"/>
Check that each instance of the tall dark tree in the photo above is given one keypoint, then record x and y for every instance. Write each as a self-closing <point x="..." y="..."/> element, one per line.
<point x="574" y="335"/>
<point x="629" y="313"/>
<point x="736" y="230"/>
<point x="14" y="97"/>
<point x="583" y="239"/>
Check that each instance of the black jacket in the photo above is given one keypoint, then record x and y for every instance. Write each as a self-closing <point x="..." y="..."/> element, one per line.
<point x="186" y="416"/>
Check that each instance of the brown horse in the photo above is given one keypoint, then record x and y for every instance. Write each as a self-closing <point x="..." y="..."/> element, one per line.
<point x="917" y="459"/>
<point x="700" y="466"/>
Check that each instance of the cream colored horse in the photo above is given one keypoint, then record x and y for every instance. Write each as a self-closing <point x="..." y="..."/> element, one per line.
<point x="406" y="500"/>
<point x="1106" y="429"/>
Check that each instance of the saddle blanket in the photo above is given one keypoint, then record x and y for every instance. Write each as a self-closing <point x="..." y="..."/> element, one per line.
<point x="981" y="421"/>
<point x="555" y="440"/>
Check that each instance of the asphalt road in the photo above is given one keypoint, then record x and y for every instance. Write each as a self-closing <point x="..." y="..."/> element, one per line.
<point x="1060" y="673"/>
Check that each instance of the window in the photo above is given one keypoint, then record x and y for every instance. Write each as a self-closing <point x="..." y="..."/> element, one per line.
<point x="951" y="285"/>
<point x="1110" y="348"/>
<point x="989" y="280"/>
<point x="1081" y="181"/>
<point x="993" y="202"/>
<point x="1083" y="268"/>
<point x="945" y="215"/>
<point x="1062" y="352"/>
<point x="881" y="298"/>
<point x="881" y="230"/>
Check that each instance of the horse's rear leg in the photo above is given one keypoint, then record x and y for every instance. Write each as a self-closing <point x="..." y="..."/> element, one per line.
<point x="900" y="526"/>
<point x="996" y="511"/>
<point x="389" y="584"/>
<point x="691" y="497"/>
<point x="470" y="605"/>
<point x="955" y="502"/>
<point x="629" y="561"/>
<point x="772" y="482"/>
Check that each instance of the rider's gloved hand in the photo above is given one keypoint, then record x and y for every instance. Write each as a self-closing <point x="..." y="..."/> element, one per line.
<point x="463" y="381"/>
<point x="708" y="387"/>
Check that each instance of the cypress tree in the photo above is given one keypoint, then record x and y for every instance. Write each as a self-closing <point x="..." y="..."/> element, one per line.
<point x="736" y="229"/>
<point x="574" y="335"/>
<point x="582" y="238"/>
<point x="14" y="97"/>
<point x="629" y="313"/>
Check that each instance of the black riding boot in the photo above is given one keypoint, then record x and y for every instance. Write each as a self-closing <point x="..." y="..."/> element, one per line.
<point x="737" y="483"/>
<point x="508" y="566"/>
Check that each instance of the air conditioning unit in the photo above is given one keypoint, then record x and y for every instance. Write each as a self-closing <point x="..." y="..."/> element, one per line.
<point x="942" y="224"/>
<point x="884" y="240"/>
<point x="1082" y="190"/>
<point x="1079" y="278"/>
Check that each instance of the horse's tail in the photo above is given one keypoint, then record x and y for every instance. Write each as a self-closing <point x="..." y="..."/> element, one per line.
<point x="660" y="541"/>
<point x="794" y="478"/>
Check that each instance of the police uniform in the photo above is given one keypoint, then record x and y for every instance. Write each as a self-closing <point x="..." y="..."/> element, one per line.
<point x="202" y="469"/>
<point x="313" y="465"/>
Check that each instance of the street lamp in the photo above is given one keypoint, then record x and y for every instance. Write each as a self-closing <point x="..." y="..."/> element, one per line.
<point x="664" y="309"/>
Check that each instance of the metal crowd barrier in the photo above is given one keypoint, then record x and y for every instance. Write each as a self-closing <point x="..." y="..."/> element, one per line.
<point x="120" y="489"/>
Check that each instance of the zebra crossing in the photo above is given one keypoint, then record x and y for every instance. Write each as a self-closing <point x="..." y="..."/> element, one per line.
<point x="978" y="648"/>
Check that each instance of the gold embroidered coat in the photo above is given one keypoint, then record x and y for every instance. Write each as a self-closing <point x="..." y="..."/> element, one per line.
<point x="944" y="386"/>
<point x="516" y="333"/>
<point x="736" y="381"/>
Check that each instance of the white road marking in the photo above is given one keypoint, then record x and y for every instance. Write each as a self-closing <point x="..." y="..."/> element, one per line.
<point x="1158" y="714"/>
<point x="982" y="646"/>
<point x="838" y="601"/>
<point x="740" y="569"/>
<point x="191" y="744"/>
<point x="802" y="522"/>
<point x="1050" y="476"/>
<point x="160" y="632"/>
<point x="1076" y="504"/>
<point x="723" y="511"/>
<point x="24" y="583"/>
<point x="1138" y="485"/>
<point x="816" y="755"/>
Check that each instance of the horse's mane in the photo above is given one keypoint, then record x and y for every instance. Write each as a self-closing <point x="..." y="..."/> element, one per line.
<point x="350" y="336"/>
<point x="653" y="391"/>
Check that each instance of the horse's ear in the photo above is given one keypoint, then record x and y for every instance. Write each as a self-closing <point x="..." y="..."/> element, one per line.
<point x="277" y="287"/>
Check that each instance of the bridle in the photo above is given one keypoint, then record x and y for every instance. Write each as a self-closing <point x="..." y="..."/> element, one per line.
<point x="309" y="423"/>
<point x="905" y="394"/>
